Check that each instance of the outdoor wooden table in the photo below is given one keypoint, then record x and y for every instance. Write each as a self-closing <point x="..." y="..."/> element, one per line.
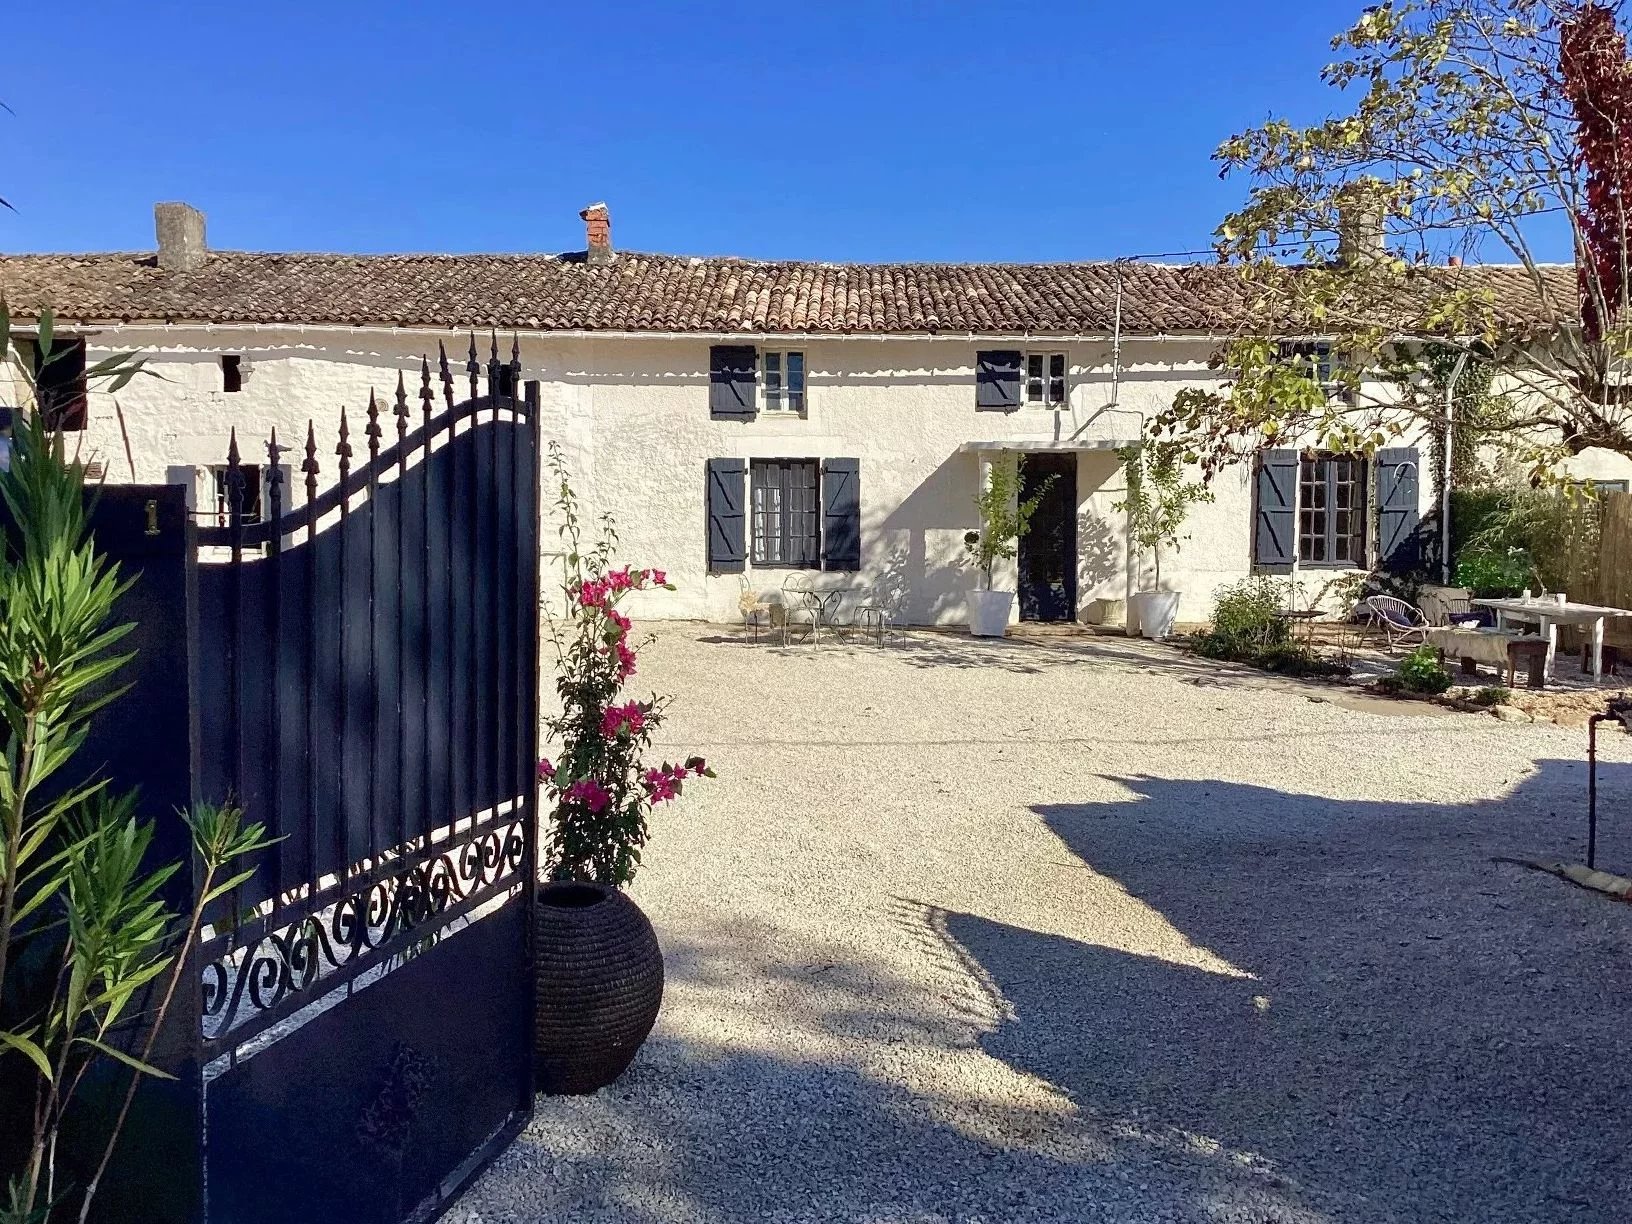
<point x="1549" y="614"/>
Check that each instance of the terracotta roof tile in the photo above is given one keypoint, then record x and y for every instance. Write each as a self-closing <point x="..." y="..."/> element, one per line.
<point x="663" y="293"/>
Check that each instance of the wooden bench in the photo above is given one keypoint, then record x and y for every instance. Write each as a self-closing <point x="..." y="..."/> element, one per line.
<point x="1496" y="647"/>
<point x="1473" y="645"/>
<point x="1533" y="650"/>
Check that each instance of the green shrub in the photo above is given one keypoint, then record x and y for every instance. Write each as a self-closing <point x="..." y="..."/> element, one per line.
<point x="1552" y="533"/>
<point x="1474" y="512"/>
<point x="1420" y="672"/>
<point x="1298" y="661"/>
<point x="1283" y="658"/>
<point x="1491" y="695"/>
<point x="1491" y="571"/>
<point x="1245" y="613"/>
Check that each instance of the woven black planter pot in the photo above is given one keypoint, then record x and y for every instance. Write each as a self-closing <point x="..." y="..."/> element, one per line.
<point x="598" y="987"/>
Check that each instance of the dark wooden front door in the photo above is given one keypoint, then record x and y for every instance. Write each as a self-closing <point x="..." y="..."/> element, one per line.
<point x="1048" y="552"/>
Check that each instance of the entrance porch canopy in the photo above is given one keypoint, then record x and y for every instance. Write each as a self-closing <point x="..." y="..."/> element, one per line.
<point x="1048" y="445"/>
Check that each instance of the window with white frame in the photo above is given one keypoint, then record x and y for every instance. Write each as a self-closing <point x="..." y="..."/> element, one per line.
<point x="1332" y="514"/>
<point x="1312" y="358"/>
<point x="782" y="380"/>
<point x="219" y="506"/>
<point x="1045" y="379"/>
<point x="785" y="518"/>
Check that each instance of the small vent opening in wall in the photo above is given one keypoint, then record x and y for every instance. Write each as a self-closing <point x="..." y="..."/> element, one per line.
<point x="232" y="372"/>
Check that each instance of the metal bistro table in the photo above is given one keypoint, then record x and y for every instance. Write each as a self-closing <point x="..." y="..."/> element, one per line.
<point x="827" y="599"/>
<point x="1549" y="614"/>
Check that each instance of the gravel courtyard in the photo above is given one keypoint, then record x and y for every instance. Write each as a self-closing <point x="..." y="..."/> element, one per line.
<point x="1072" y="930"/>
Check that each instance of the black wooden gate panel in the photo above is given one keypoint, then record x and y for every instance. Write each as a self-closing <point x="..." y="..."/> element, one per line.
<point x="358" y="667"/>
<point x="367" y="669"/>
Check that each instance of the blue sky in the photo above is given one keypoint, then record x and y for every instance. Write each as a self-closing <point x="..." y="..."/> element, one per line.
<point x="840" y="130"/>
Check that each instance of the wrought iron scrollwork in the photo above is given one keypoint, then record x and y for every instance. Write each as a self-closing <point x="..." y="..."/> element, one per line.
<point x="275" y="971"/>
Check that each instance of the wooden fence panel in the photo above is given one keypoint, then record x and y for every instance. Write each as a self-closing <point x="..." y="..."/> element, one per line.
<point x="1615" y="552"/>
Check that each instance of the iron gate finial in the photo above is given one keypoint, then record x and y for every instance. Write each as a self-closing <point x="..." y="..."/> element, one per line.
<point x="372" y="429"/>
<point x="344" y="449"/>
<point x="401" y="409"/>
<point x="274" y="476"/>
<point x="447" y="374"/>
<point x="309" y="467"/>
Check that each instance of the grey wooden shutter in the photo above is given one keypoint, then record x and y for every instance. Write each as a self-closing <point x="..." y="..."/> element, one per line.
<point x="187" y="476"/>
<point x="841" y="514"/>
<point x="997" y="380"/>
<point x="1398" y="516"/>
<point x="1275" y="508"/>
<point x="731" y="370"/>
<point x="727" y="550"/>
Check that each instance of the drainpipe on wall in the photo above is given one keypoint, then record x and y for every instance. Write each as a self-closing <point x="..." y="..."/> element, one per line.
<point x="1116" y="348"/>
<point x="1445" y="481"/>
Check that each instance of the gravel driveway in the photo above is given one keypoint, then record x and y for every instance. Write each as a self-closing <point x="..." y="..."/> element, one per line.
<point x="1075" y="930"/>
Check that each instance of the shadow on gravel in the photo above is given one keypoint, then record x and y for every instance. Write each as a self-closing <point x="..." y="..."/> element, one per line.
<point x="1425" y="1035"/>
<point x="1417" y="1034"/>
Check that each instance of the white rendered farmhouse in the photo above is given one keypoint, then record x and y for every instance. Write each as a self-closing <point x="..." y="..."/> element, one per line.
<point x="744" y="420"/>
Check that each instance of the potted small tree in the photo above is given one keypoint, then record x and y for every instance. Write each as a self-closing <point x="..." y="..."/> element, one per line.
<point x="596" y="958"/>
<point x="1004" y="519"/>
<point x="1157" y="501"/>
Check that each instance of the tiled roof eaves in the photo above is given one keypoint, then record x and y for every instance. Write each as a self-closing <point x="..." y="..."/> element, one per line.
<point x="639" y="294"/>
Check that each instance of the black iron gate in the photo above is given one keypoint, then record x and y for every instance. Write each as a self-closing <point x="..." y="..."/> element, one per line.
<point x="363" y="662"/>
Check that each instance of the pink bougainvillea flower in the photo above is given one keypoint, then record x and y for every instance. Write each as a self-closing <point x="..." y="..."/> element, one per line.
<point x="593" y="594"/>
<point x="619" y="579"/>
<point x="697" y="765"/>
<point x="629" y="718"/>
<point x="546" y="770"/>
<point x="659" y="577"/>
<point x="659" y="785"/>
<point x="618" y="619"/>
<point x="626" y="661"/>
<point x="590" y="793"/>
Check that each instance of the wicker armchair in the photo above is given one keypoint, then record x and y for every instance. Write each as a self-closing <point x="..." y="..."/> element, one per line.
<point x="1402" y="624"/>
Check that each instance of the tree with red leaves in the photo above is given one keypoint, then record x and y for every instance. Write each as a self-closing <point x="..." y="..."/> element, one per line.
<point x="1598" y="84"/>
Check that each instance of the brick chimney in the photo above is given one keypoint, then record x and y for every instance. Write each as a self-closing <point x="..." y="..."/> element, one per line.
<point x="180" y="229"/>
<point x="597" y="233"/>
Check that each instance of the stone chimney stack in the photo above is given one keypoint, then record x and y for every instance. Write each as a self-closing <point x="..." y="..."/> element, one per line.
<point x="180" y="230"/>
<point x="1361" y="225"/>
<point x="597" y="233"/>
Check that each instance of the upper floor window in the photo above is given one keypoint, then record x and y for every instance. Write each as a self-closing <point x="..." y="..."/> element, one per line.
<point x="1313" y="357"/>
<point x="782" y="380"/>
<point x="1045" y="379"/>
<point x="232" y="372"/>
<point x="59" y="380"/>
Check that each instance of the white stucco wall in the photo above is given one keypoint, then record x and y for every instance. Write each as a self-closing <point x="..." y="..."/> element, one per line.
<point x="631" y="415"/>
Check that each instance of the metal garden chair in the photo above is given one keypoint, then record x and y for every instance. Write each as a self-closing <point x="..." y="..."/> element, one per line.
<point x="755" y="609"/>
<point x="801" y="606"/>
